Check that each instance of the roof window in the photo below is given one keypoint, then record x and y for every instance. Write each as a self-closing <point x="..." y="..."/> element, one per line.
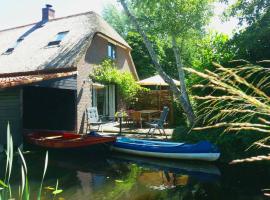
<point x="10" y="50"/>
<point x="19" y="40"/>
<point x="58" y="38"/>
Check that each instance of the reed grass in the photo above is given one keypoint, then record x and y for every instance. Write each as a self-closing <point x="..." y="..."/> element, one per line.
<point x="235" y="99"/>
<point x="24" y="191"/>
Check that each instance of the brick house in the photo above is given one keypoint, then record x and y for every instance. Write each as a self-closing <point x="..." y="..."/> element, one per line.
<point x="44" y="68"/>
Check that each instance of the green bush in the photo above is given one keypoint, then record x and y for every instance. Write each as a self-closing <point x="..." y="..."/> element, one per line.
<point x="108" y="73"/>
<point x="231" y="145"/>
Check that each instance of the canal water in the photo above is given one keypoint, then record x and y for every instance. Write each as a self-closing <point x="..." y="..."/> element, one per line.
<point x="122" y="177"/>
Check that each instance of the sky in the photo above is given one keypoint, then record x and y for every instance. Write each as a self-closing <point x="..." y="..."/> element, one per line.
<point x="21" y="12"/>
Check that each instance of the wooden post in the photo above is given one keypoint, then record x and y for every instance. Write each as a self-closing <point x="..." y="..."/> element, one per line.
<point x="172" y="110"/>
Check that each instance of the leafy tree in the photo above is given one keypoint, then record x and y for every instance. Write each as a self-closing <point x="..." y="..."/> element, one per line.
<point x="248" y="11"/>
<point x="142" y="59"/>
<point x="174" y="21"/>
<point x="117" y="19"/>
<point x="212" y="48"/>
<point x="140" y="54"/>
<point x="253" y="43"/>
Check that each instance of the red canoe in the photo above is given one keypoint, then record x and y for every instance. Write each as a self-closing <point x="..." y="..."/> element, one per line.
<point x="65" y="140"/>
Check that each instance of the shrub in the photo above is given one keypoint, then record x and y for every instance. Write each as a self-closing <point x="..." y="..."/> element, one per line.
<point x="108" y="73"/>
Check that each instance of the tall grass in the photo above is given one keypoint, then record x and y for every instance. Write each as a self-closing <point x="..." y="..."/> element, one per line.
<point x="235" y="99"/>
<point x="24" y="191"/>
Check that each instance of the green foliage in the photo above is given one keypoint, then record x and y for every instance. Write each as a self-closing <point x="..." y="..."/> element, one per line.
<point x="117" y="19"/>
<point x="57" y="190"/>
<point x="124" y="186"/>
<point x="212" y="48"/>
<point x="140" y="55"/>
<point x="142" y="59"/>
<point x="183" y="20"/>
<point x="248" y="11"/>
<point x="236" y="100"/>
<point x="253" y="43"/>
<point x="196" y="48"/>
<point x="24" y="189"/>
<point x="231" y="146"/>
<point x="109" y="74"/>
<point x="177" y="17"/>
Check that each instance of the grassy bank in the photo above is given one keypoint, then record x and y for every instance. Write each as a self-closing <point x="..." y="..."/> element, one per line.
<point x="232" y="145"/>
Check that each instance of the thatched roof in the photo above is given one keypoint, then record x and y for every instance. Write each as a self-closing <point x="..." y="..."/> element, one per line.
<point x="32" y="53"/>
<point x="155" y="80"/>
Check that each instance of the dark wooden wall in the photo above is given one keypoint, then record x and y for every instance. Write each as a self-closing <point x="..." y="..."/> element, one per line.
<point x="10" y="111"/>
<point x="69" y="83"/>
<point x="156" y="100"/>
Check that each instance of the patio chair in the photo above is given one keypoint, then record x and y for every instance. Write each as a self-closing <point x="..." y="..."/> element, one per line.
<point x="94" y="119"/>
<point x="159" y="124"/>
<point x="136" y="118"/>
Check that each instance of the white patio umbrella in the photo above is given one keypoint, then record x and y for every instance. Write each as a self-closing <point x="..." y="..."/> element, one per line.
<point x="155" y="80"/>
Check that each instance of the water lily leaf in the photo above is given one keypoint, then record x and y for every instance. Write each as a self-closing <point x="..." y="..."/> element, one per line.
<point x="3" y="184"/>
<point x="49" y="188"/>
<point x="57" y="192"/>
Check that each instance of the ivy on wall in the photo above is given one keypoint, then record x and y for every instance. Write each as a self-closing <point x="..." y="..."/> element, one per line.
<point x="108" y="73"/>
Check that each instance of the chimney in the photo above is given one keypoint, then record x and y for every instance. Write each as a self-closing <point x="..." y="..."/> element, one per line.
<point x="47" y="13"/>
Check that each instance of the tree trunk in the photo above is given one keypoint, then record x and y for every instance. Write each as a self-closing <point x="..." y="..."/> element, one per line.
<point x="181" y="75"/>
<point x="184" y="103"/>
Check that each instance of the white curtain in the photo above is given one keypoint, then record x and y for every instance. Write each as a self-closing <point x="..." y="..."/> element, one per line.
<point x="109" y="103"/>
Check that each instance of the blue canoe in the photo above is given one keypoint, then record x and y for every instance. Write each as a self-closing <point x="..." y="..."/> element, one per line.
<point x="203" y="150"/>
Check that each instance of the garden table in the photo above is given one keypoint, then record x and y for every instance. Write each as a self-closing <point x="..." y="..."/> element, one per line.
<point x="149" y="113"/>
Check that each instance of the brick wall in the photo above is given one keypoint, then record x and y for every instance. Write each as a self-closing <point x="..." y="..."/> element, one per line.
<point x="96" y="53"/>
<point x="83" y="95"/>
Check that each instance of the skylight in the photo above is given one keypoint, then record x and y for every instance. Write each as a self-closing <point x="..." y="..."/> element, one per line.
<point x="58" y="38"/>
<point x="10" y="50"/>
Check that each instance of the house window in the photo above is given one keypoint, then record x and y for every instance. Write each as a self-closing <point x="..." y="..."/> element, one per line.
<point x="58" y="38"/>
<point x="10" y="50"/>
<point x="111" y="51"/>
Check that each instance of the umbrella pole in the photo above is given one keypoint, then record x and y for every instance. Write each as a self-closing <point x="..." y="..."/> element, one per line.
<point x="159" y="97"/>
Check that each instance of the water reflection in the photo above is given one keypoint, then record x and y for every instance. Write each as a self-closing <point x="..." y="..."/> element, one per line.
<point x="126" y="177"/>
<point x="164" y="179"/>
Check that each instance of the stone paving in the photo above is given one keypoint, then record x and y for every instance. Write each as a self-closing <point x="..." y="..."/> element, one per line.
<point x="128" y="130"/>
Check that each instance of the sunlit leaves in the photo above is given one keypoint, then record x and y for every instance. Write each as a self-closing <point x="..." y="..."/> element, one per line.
<point x="3" y="184"/>
<point x="249" y="11"/>
<point x="109" y="74"/>
<point x="57" y="190"/>
<point x="174" y="17"/>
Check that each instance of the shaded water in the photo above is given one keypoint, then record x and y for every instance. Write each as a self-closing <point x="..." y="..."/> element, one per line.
<point x="83" y="177"/>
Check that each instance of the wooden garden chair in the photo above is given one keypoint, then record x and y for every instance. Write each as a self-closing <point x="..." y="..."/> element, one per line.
<point x="159" y="124"/>
<point x="93" y="119"/>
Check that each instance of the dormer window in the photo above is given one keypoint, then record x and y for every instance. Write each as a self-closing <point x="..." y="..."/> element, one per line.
<point x="19" y="40"/>
<point x="58" y="38"/>
<point x="111" y="51"/>
<point x="10" y="50"/>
